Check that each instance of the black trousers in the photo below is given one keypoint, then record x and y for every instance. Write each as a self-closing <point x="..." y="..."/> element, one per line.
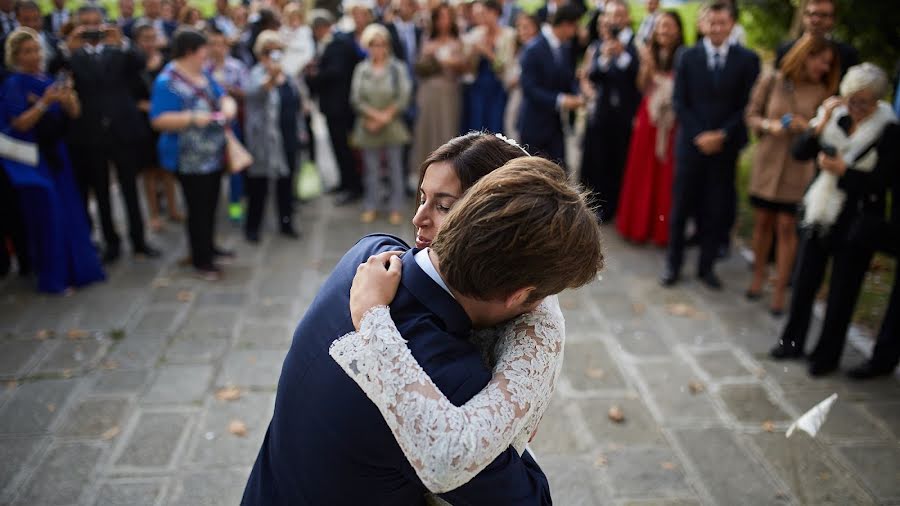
<point x="92" y="170"/>
<point x="553" y="148"/>
<point x="257" y="190"/>
<point x="201" y="195"/>
<point x="705" y="185"/>
<point x="886" y="355"/>
<point x="849" y="265"/>
<point x="12" y="227"/>
<point x="339" y="130"/>
<point x="603" y="166"/>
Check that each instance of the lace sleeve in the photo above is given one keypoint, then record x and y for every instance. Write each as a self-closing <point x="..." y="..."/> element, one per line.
<point x="448" y="445"/>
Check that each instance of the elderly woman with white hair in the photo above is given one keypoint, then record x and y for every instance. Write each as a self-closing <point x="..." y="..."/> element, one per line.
<point x="272" y="126"/>
<point x="34" y="117"/>
<point x="380" y="92"/>
<point x="855" y="143"/>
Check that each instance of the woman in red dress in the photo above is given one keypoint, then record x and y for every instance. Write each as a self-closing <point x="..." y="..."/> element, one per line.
<point x="643" y="213"/>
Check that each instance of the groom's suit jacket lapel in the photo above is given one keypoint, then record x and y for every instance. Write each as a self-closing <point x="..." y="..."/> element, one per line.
<point x="432" y="296"/>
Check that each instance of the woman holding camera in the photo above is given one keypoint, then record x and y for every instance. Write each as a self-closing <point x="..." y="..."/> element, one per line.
<point x="191" y="110"/>
<point x="35" y="110"/>
<point x="781" y="105"/>
<point x="271" y="129"/>
<point x="854" y="141"/>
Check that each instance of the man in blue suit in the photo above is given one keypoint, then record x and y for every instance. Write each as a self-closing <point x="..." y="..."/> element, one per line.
<point x="549" y="86"/>
<point x="327" y="443"/>
<point x="713" y="80"/>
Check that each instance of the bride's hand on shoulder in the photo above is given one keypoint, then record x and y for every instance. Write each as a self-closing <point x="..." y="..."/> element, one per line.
<point x="375" y="284"/>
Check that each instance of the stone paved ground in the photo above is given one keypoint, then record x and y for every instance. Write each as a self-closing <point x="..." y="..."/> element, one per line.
<point x="108" y="396"/>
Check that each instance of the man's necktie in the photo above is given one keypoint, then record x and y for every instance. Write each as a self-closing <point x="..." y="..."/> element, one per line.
<point x="717" y="68"/>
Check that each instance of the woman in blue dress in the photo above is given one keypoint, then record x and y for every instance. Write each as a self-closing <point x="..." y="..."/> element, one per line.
<point x="35" y="109"/>
<point x="490" y="49"/>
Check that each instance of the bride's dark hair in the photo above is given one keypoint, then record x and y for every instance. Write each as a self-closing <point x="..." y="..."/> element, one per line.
<point x="472" y="156"/>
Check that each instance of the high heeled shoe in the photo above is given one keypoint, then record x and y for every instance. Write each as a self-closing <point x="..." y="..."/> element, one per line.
<point x="786" y="350"/>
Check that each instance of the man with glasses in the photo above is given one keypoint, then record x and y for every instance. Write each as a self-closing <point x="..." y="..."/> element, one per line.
<point x="818" y="19"/>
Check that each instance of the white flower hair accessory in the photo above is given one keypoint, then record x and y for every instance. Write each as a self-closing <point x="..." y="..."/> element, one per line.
<point x="511" y="142"/>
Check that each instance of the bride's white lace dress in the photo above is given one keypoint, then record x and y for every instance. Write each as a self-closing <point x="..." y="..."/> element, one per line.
<point x="448" y="445"/>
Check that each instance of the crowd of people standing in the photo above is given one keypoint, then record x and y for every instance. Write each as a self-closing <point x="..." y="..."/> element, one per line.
<point x="165" y="96"/>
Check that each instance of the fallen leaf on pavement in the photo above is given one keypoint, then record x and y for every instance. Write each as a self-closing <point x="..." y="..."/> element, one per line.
<point x="110" y="433"/>
<point x="77" y="334"/>
<point x="696" y="387"/>
<point x="51" y="407"/>
<point x="683" y="310"/>
<point x="238" y="428"/>
<point x="615" y="414"/>
<point x="43" y="334"/>
<point x="768" y="426"/>
<point x="637" y="308"/>
<point x="11" y="384"/>
<point x="229" y="393"/>
<point x="668" y="466"/>
<point x="109" y="364"/>
<point x="600" y="462"/>
<point x="160" y="282"/>
<point x="185" y="296"/>
<point x="594" y="373"/>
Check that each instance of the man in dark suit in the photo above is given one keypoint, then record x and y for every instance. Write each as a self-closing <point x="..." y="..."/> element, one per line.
<point x="28" y="14"/>
<point x="110" y="128"/>
<point x="818" y="19"/>
<point x="7" y="17"/>
<point x="327" y="442"/>
<point x="153" y="15"/>
<point x="549" y="86"/>
<point x="328" y="77"/>
<point x="613" y="70"/>
<point x="55" y="19"/>
<point x="546" y="12"/>
<point x="406" y="36"/>
<point x="712" y="86"/>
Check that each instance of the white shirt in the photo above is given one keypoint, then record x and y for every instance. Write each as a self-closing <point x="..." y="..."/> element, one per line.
<point x="424" y="260"/>
<point x="556" y="47"/>
<point x="624" y="58"/>
<point x="711" y="51"/>
<point x="406" y="30"/>
<point x="645" y="31"/>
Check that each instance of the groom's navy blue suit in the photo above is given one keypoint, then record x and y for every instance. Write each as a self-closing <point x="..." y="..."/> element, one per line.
<point x="328" y="444"/>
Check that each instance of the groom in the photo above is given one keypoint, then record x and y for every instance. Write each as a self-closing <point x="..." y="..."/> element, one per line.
<point x="518" y="235"/>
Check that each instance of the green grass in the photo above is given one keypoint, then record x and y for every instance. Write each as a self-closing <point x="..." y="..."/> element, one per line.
<point x="207" y="7"/>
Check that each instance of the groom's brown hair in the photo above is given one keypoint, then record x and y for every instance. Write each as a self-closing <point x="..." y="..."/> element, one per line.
<point x="521" y="225"/>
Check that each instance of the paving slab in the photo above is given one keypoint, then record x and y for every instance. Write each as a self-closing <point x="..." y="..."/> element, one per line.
<point x="61" y="476"/>
<point x="645" y="471"/>
<point x="17" y="356"/>
<point x="846" y="419"/>
<point x="888" y="413"/>
<point x="155" y="321"/>
<point x="571" y="482"/>
<point x="637" y="427"/>
<point x="214" y="445"/>
<point x="751" y="404"/>
<point x="556" y="433"/>
<point x="135" y="352"/>
<point x="152" y="442"/>
<point x="589" y="366"/>
<point x="265" y="335"/>
<point x="34" y="406"/>
<point x="195" y="350"/>
<point x="668" y="385"/>
<point x="130" y="493"/>
<point x="92" y="418"/>
<point x="878" y="466"/>
<point x="720" y="364"/>
<point x="209" y="323"/>
<point x="176" y="384"/>
<point x="68" y="357"/>
<point x="14" y="453"/>
<point x="252" y="368"/>
<point x="120" y="382"/>
<point x="209" y="488"/>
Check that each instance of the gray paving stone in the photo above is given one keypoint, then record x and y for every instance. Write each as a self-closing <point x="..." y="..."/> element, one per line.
<point x="213" y="445"/>
<point x="641" y="341"/>
<point x="14" y="453"/>
<point x="237" y="276"/>
<point x="637" y="428"/>
<point x="265" y="335"/>
<point x="209" y="323"/>
<point x="135" y="352"/>
<point x="155" y="321"/>
<point x="645" y="471"/>
<point x="91" y="418"/>
<point x="252" y="368"/>
<point x="727" y="471"/>
<point x="661" y="502"/>
<point x="878" y="465"/>
<point x="209" y="488"/>
<point x="34" y="406"/>
<point x="888" y="413"/>
<point x="71" y="356"/>
<point x="231" y="298"/>
<point x="721" y="364"/>
<point x="570" y="480"/>
<point x="272" y="309"/>
<point x="179" y="384"/>
<point x="120" y="382"/>
<point x="588" y="366"/>
<point x="281" y="284"/>
<point x="153" y="441"/>
<point x="117" y="493"/>
<point x="556" y="434"/>
<point x="846" y="419"/>
<point x="195" y="350"/>
<point x="804" y="465"/>
<point x="62" y="475"/>
<point x="17" y="356"/>
<point x="751" y="404"/>
<point x="668" y="386"/>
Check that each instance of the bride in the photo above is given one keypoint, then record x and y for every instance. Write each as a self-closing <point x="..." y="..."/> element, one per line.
<point x="448" y="445"/>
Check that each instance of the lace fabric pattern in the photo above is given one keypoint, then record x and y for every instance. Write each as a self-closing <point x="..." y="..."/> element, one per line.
<point x="448" y="445"/>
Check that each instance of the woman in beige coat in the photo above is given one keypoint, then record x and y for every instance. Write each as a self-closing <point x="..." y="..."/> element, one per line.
<point x="781" y="105"/>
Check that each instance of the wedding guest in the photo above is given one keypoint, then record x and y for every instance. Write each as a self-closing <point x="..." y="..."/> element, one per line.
<point x="613" y="71"/>
<point x="153" y="14"/>
<point x="109" y="129"/>
<point x="7" y="17"/>
<point x="271" y="129"/>
<point x="329" y="78"/>
<point x="855" y="141"/>
<point x="57" y="17"/>
<point x="713" y="80"/>
<point x="645" y="31"/>
<point x="646" y="199"/>
<point x="156" y="179"/>
<point x="527" y="29"/>
<point x="379" y="93"/>
<point x="56" y="226"/>
<point x="548" y="86"/>
<point x="190" y="16"/>
<point x="126" y="13"/>
<point x="28" y="15"/>
<point x="296" y="35"/>
<point x="438" y="95"/>
<point x="490" y="49"/>
<point x="223" y="21"/>
<point x="191" y="110"/>
<point x="819" y="17"/>
<point x="781" y="105"/>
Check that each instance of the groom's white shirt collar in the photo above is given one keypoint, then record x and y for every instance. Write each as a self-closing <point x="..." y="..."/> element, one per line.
<point x="424" y="260"/>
